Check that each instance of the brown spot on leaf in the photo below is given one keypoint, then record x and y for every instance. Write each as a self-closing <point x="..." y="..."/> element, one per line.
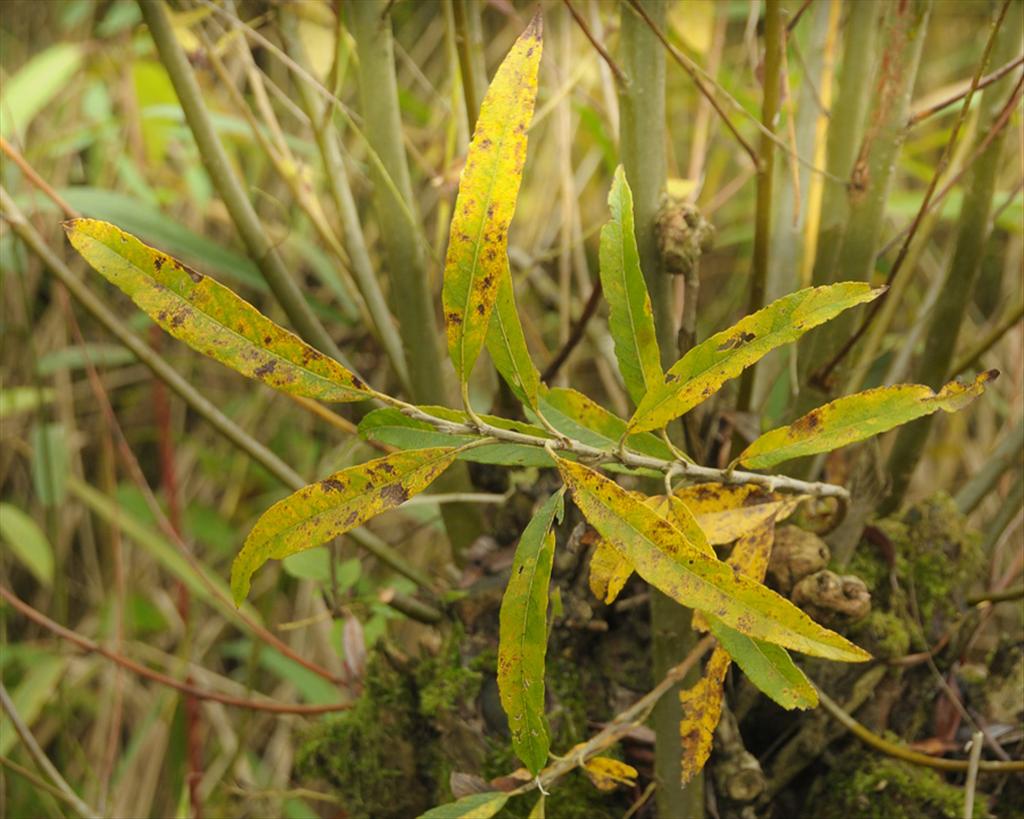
<point x="332" y="485"/>
<point x="158" y="262"/>
<point x="265" y="369"/>
<point x="394" y="494"/>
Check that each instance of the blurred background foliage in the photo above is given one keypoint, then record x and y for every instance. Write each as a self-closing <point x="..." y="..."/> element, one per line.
<point x="87" y="103"/>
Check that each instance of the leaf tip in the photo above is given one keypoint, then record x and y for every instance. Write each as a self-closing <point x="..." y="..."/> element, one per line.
<point x="536" y="27"/>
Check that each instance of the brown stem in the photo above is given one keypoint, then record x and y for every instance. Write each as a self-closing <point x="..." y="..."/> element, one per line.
<point x="575" y="334"/>
<point x="598" y="47"/>
<point x="189" y="689"/>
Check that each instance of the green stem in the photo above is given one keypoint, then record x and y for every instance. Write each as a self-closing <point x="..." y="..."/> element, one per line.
<point x="411" y="294"/>
<point x="328" y="143"/>
<point x="469" y="45"/>
<point x="873" y="171"/>
<point x="972" y="234"/>
<point x="773" y="43"/>
<point x="642" y="128"/>
<point x="845" y="129"/>
<point x="1006" y="455"/>
<point x="223" y="177"/>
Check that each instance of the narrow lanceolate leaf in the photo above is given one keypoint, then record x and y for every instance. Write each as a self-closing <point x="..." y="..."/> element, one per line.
<point x="729" y="511"/>
<point x="767" y="666"/>
<point x="630" y="319"/>
<point x="574" y="414"/>
<point x="474" y="806"/>
<point x="649" y="542"/>
<point x="702" y="709"/>
<point x="507" y="345"/>
<point x="488" y="187"/>
<point x="523" y="637"/>
<point x="706" y="367"/>
<point x="209" y="317"/>
<point x="333" y="506"/>
<point x="856" y="417"/>
<point x="609" y="571"/>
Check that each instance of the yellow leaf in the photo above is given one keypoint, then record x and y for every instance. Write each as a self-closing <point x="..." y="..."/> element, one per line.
<point x="474" y="806"/>
<point x="706" y="367"/>
<point x="209" y="317"/>
<point x="694" y="22"/>
<point x="856" y="417"/>
<point x="702" y="708"/>
<point x="488" y="187"/>
<point x="726" y="512"/>
<point x="607" y="774"/>
<point x="331" y="507"/>
<point x="695" y="580"/>
<point x="609" y="572"/>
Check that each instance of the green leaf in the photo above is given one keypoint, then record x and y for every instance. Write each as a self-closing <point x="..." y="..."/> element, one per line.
<point x="856" y="417"/>
<point x="767" y="666"/>
<point x="574" y="414"/>
<point x="706" y="367"/>
<point x="328" y="508"/>
<point x="50" y="462"/>
<point x="27" y="542"/>
<point x="474" y="806"/>
<point x="390" y="426"/>
<point x="523" y="637"/>
<point x="631" y="320"/>
<point x="651" y="543"/>
<point x="35" y="85"/>
<point x="488" y="187"/>
<point x="211" y="318"/>
<point x="507" y="345"/>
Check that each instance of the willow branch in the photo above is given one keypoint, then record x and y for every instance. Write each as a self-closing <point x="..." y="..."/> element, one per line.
<point x="624" y="456"/>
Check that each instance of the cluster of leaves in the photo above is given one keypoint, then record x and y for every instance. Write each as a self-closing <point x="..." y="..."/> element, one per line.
<point x="668" y="540"/>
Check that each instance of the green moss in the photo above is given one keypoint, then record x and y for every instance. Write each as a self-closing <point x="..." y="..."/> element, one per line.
<point x="869" y="786"/>
<point x="380" y="753"/>
<point x="935" y="559"/>
<point x="881" y="633"/>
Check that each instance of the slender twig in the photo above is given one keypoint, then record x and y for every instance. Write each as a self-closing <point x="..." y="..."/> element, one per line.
<point x="695" y="74"/>
<point x="576" y="334"/>
<point x="30" y="173"/>
<point x="40" y="758"/>
<point x="1015" y="593"/>
<point x="620" y="725"/>
<point x="36" y="780"/>
<point x="987" y="341"/>
<point x="796" y="17"/>
<point x="900" y="752"/>
<point x="598" y="46"/>
<point x="189" y="689"/>
<point x="984" y="82"/>
<point x="624" y="456"/>
<point x="972" y="774"/>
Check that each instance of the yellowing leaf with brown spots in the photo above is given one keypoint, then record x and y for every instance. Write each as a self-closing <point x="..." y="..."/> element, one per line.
<point x="507" y="345"/>
<point x="474" y="806"/>
<point x="209" y="317"/>
<point x="609" y="572"/>
<point x="706" y="367"/>
<point x="650" y="543"/>
<point x="488" y="187"/>
<point x="607" y="774"/>
<point x="702" y="708"/>
<point x="726" y="512"/>
<point x="630" y="318"/>
<point x="523" y="637"/>
<point x="856" y="417"/>
<point x="331" y="507"/>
